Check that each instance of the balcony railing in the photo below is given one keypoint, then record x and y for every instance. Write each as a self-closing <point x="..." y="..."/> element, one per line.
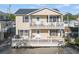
<point x="47" y="24"/>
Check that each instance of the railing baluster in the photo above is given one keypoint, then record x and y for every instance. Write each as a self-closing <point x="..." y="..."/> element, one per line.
<point x="49" y="24"/>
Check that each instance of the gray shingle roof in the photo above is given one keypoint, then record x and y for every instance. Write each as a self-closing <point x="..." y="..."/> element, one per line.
<point x="25" y="11"/>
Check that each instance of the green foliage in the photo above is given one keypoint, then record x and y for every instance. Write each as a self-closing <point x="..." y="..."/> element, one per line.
<point x="11" y="17"/>
<point x="69" y="16"/>
<point x="77" y="41"/>
<point x="8" y="16"/>
<point x="67" y="41"/>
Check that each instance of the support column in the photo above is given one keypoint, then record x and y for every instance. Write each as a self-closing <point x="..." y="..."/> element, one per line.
<point x="48" y="33"/>
<point x="61" y="18"/>
<point x="29" y="19"/>
<point x="30" y="34"/>
<point x="49" y="21"/>
<point x="61" y="33"/>
<point x="48" y="17"/>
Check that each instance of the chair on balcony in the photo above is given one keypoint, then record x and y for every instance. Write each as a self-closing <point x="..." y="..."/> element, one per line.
<point x="36" y="37"/>
<point x="37" y="23"/>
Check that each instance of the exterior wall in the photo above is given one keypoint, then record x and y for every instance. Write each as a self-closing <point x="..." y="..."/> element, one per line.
<point x="20" y="25"/>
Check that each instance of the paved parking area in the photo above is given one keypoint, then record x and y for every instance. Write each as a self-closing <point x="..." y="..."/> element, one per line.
<point x="52" y="50"/>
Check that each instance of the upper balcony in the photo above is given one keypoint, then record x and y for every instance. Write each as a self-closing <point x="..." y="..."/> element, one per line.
<point x="47" y="25"/>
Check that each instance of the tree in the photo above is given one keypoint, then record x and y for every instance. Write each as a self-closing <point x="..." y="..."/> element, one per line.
<point x="69" y="16"/>
<point x="10" y="17"/>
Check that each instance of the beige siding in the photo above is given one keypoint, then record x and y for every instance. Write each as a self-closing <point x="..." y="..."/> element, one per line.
<point x="20" y="25"/>
<point x="42" y="18"/>
<point x="46" y="12"/>
<point x="43" y="33"/>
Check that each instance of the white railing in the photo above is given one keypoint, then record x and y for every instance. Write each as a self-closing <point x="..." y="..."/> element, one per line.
<point x="21" y="43"/>
<point x="48" y="24"/>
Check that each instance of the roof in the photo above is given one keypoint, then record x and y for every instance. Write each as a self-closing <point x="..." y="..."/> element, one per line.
<point x="25" y="11"/>
<point x="30" y="11"/>
<point x="2" y="12"/>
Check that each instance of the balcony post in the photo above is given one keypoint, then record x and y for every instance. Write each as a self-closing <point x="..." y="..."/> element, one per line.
<point x="29" y="19"/>
<point x="48" y="17"/>
<point x="48" y="33"/>
<point x="48" y="20"/>
<point x="61" y="18"/>
<point x="30" y="34"/>
<point x="61" y="33"/>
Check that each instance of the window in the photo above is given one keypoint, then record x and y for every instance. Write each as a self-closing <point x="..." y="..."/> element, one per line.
<point x="38" y="18"/>
<point x="37" y="31"/>
<point x="26" y="32"/>
<point x="53" y="33"/>
<point x="23" y="32"/>
<point x="52" y="19"/>
<point x="25" y="19"/>
<point x="20" y="32"/>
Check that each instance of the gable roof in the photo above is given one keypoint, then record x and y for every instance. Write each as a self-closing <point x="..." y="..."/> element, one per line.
<point x="25" y="11"/>
<point x="57" y="11"/>
<point x="30" y="11"/>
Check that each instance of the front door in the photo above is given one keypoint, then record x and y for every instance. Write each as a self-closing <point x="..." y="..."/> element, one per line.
<point x="38" y="20"/>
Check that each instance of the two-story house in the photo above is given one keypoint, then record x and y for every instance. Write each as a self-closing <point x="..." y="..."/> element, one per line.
<point x="39" y="27"/>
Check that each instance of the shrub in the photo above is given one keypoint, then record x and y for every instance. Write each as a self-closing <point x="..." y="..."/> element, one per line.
<point x="77" y="41"/>
<point x="67" y="41"/>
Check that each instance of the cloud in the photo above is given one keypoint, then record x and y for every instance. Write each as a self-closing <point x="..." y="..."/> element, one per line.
<point x="38" y="6"/>
<point x="62" y="5"/>
<point x="42" y="5"/>
<point x="66" y="5"/>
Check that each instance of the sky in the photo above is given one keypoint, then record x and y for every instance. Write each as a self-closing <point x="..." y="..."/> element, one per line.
<point x="64" y="8"/>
